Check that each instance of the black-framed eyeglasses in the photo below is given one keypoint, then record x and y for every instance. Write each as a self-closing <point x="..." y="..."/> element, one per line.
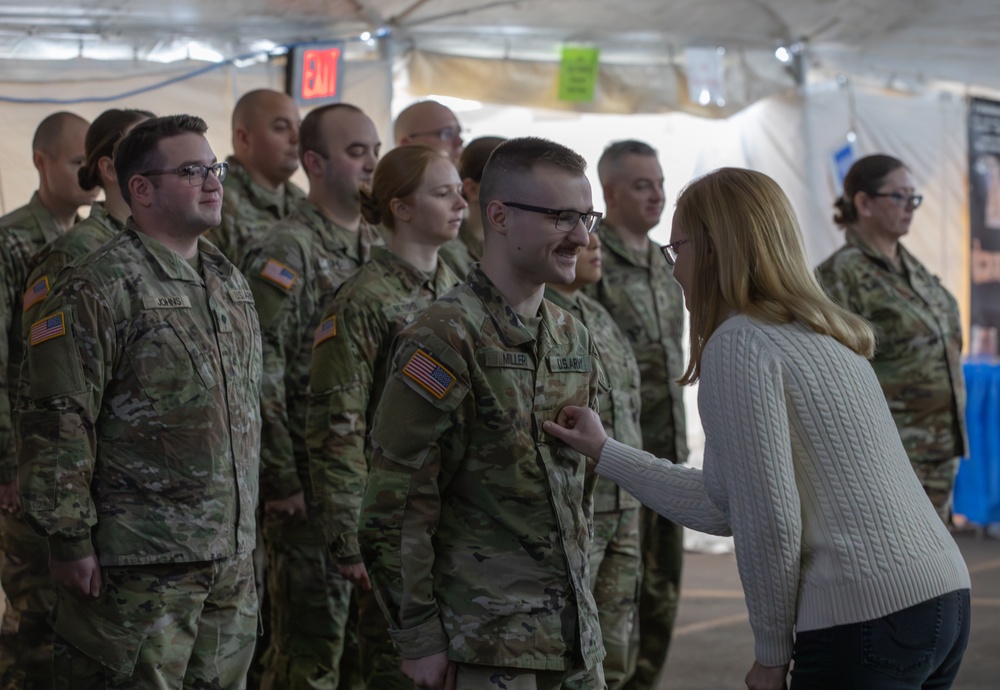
<point x="566" y="219"/>
<point x="444" y="134"/>
<point x="670" y="251"/>
<point x="195" y="174"/>
<point x="903" y="200"/>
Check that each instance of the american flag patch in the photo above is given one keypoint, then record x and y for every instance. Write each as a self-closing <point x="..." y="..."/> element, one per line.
<point x="429" y="373"/>
<point x="326" y="329"/>
<point x="279" y="273"/>
<point x="36" y="293"/>
<point x="46" y="329"/>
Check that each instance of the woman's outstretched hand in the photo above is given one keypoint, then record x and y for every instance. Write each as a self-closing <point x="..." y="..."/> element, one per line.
<point x="580" y="428"/>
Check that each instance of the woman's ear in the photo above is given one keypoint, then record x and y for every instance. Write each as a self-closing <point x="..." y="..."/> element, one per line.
<point x="400" y="210"/>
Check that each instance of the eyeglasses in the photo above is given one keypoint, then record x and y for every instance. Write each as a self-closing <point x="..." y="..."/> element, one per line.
<point x="904" y="200"/>
<point x="444" y="134"/>
<point x="195" y="174"/>
<point x="566" y="219"/>
<point x="670" y="251"/>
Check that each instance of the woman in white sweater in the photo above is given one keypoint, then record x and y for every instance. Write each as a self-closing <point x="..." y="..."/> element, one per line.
<point x="849" y="575"/>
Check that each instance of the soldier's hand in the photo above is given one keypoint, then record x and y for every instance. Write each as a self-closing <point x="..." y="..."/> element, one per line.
<point x="580" y="428"/>
<point x="80" y="578"/>
<point x="358" y="574"/>
<point x="10" y="498"/>
<point x="432" y="672"/>
<point x="763" y="677"/>
<point x="291" y="508"/>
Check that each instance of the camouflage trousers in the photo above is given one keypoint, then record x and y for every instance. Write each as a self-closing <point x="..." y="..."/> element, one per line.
<point x="25" y="635"/>
<point x="472" y="677"/>
<point x="938" y="479"/>
<point x="615" y="566"/>
<point x="662" y="558"/>
<point x="313" y="647"/>
<point x="174" y="625"/>
<point x="380" y="661"/>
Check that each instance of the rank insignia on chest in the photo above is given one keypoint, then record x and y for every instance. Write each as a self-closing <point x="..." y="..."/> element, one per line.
<point x="429" y="373"/>
<point x="36" y="293"/>
<point x="46" y="329"/>
<point x="279" y="273"/>
<point x="325" y="330"/>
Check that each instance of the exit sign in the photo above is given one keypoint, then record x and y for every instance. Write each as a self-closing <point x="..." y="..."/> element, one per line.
<point x="314" y="73"/>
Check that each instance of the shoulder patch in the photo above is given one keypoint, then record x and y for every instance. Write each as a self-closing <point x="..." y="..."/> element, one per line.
<point x="325" y="330"/>
<point x="38" y="291"/>
<point x="279" y="273"/>
<point x="429" y="373"/>
<point x="48" y="328"/>
<point x="166" y="302"/>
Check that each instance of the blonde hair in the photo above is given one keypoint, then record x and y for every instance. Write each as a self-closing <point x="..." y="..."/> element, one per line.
<point x="748" y="258"/>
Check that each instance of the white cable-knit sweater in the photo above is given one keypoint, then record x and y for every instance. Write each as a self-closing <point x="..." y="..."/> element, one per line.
<point x="804" y="467"/>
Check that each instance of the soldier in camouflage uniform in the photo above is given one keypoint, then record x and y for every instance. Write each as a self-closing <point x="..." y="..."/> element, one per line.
<point x="294" y="272"/>
<point x="416" y="195"/>
<point x="497" y="526"/>
<point x="107" y="218"/>
<point x="466" y="249"/>
<point x="648" y="305"/>
<point x="140" y="441"/>
<point x="258" y="189"/>
<point x="25" y="638"/>
<point x="615" y="556"/>
<point x="917" y="324"/>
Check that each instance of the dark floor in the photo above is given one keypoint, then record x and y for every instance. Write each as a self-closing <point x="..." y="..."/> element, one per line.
<point x="713" y="645"/>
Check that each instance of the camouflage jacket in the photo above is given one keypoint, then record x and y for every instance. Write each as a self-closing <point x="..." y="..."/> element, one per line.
<point x="246" y="209"/>
<point x="476" y="525"/>
<point x="918" y="355"/>
<point x="83" y="238"/>
<point x="463" y="251"/>
<point x="294" y="272"/>
<point x="648" y="305"/>
<point x="349" y="367"/>
<point x="140" y="440"/>
<point x="620" y="405"/>
<point x="22" y="233"/>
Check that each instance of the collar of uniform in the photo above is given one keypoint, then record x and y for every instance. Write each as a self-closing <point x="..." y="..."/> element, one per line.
<point x="279" y="202"/>
<point x="612" y="240"/>
<point x="563" y="301"/>
<point x="407" y="273"/>
<point x="906" y="260"/>
<point x="43" y="219"/>
<point x="508" y="323"/>
<point x="334" y="237"/>
<point x="172" y="264"/>
<point x="99" y="212"/>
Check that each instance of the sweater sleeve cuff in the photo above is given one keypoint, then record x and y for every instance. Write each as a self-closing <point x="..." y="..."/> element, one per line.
<point x="422" y="640"/>
<point x="70" y="549"/>
<point x="774" y="649"/>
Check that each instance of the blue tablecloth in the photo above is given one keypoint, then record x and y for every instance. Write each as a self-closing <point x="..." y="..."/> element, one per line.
<point x="977" y="488"/>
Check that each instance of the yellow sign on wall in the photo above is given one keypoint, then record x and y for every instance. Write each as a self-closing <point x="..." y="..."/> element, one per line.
<point x="578" y="73"/>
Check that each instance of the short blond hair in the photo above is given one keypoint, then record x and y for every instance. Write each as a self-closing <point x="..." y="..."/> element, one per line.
<point x="749" y="259"/>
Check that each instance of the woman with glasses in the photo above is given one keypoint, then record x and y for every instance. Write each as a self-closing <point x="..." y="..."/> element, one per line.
<point x="917" y="325"/>
<point x="849" y="575"/>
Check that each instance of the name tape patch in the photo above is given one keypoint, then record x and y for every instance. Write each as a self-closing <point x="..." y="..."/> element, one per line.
<point x="558" y="363"/>
<point x="325" y="330"/>
<point x="47" y="329"/>
<point x="279" y="273"/>
<point x="429" y="373"/>
<point x="38" y="291"/>
<point x="510" y="360"/>
<point x="241" y="295"/>
<point x="166" y="302"/>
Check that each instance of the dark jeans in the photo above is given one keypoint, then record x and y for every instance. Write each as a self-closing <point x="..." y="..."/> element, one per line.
<point x="919" y="648"/>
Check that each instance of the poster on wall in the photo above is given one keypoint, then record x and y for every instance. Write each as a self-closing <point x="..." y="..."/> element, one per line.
<point x="984" y="221"/>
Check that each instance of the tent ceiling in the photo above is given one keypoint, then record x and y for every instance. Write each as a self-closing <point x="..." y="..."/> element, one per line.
<point x="952" y="40"/>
